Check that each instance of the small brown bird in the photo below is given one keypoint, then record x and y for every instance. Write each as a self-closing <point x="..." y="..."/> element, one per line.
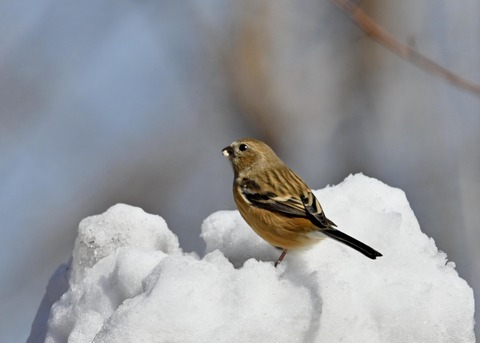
<point x="277" y="204"/>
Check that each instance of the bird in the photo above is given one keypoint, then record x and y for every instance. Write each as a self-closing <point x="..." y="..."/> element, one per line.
<point x="277" y="204"/>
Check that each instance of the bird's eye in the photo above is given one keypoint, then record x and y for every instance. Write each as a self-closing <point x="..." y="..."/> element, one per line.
<point x="242" y="147"/>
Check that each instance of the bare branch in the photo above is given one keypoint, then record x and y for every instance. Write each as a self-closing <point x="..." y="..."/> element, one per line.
<point x="371" y="28"/>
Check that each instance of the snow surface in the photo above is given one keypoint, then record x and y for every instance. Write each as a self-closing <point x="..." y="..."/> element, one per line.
<point x="129" y="281"/>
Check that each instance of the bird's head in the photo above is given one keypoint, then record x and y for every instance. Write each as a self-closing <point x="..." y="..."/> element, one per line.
<point x="249" y="153"/>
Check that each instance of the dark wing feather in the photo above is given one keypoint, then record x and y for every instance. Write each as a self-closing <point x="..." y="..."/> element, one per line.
<point x="315" y="212"/>
<point x="287" y="205"/>
<point x="306" y="206"/>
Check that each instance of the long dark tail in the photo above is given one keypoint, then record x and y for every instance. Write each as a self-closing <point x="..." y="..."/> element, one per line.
<point x="351" y="242"/>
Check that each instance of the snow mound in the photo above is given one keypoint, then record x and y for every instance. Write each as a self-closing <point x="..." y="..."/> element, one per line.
<point x="130" y="281"/>
<point x="122" y="225"/>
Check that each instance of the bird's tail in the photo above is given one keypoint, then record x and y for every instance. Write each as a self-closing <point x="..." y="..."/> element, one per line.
<point x="351" y="242"/>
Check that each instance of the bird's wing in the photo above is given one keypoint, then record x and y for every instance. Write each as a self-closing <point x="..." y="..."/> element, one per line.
<point x="306" y="205"/>
<point x="269" y="200"/>
<point x="315" y="212"/>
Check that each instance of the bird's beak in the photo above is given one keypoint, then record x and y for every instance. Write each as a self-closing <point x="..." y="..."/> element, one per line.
<point x="228" y="151"/>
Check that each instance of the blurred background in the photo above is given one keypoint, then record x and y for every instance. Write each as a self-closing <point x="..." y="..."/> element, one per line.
<point x="131" y="101"/>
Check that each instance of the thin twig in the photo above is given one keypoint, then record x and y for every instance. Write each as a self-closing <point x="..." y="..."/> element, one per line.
<point x="371" y="28"/>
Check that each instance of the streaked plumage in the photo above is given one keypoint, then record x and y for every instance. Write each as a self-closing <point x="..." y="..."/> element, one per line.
<point x="277" y="204"/>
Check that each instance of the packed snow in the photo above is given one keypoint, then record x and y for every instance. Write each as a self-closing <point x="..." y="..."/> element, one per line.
<point x="129" y="281"/>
